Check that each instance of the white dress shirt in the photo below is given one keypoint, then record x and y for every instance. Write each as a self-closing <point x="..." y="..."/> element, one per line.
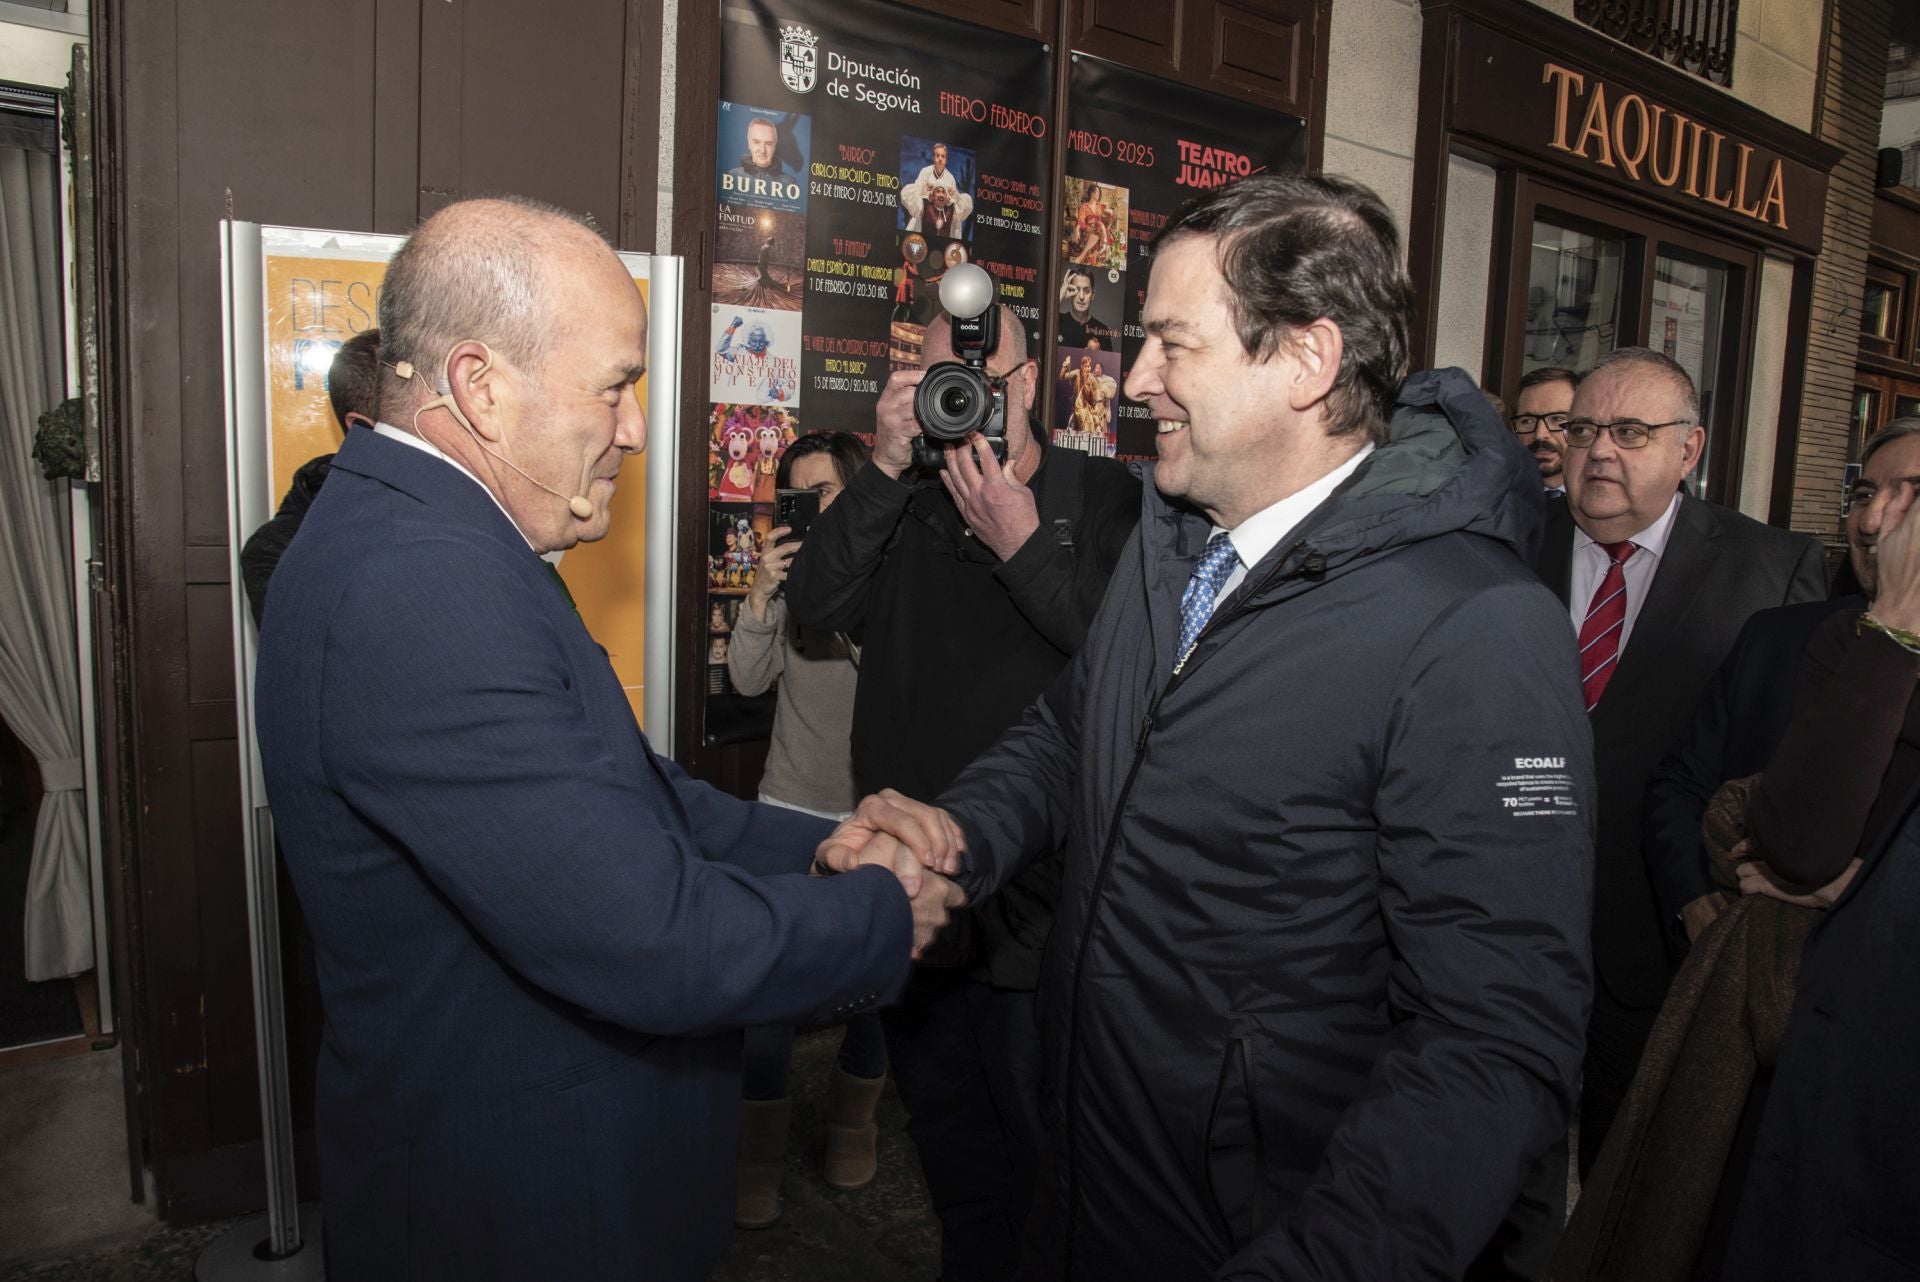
<point x="405" y="437"/>
<point x="1260" y="533"/>
<point x="1590" y="566"/>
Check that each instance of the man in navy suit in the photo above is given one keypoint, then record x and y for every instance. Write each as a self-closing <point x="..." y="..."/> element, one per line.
<point x="537" y="940"/>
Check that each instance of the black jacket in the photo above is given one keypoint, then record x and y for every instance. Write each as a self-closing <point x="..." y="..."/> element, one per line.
<point x="1316" y="993"/>
<point x="954" y="643"/>
<point x="1739" y="722"/>
<point x="266" y="545"/>
<point x="1832" y="1189"/>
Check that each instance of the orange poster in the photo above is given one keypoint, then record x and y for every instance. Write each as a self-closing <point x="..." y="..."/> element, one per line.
<point x="321" y="289"/>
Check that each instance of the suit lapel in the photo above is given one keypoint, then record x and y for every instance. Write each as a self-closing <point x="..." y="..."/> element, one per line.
<point x="1555" y="566"/>
<point x="1677" y="583"/>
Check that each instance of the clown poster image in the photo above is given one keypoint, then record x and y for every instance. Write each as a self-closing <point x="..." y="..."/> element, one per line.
<point x="755" y="356"/>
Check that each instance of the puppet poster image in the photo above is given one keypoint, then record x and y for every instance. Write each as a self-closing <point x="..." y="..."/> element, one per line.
<point x="1137" y="149"/>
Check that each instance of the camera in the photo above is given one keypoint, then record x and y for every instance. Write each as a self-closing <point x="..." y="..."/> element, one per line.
<point x="958" y="398"/>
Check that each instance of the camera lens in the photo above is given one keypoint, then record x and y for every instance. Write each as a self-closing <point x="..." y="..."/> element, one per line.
<point x="952" y="401"/>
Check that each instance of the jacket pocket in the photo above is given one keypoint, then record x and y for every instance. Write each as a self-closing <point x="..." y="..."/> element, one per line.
<point x="1235" y="1143"/>
<point x="590" y="1070"/>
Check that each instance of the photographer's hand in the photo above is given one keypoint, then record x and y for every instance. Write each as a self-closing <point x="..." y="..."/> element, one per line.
<point x="772" y="571"/>
<point x="894" y="425"/>
<point x="931" y="839"/>
<point x="999" y="510"/>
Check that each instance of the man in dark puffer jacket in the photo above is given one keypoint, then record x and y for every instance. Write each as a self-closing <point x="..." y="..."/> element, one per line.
<point x="1318" y="984"/>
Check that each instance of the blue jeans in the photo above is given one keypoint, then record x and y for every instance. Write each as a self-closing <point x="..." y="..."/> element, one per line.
<point x="769" y="1056"/>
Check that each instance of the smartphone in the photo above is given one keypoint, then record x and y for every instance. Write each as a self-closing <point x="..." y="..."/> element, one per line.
<point x="796" y="509"/>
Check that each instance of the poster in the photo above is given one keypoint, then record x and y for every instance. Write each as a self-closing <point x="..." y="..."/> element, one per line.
<point x="320" y="289"/>
<point x="1678" y="326"/>
<point x="864" y="149"/>
<point x="1137" y="148"/>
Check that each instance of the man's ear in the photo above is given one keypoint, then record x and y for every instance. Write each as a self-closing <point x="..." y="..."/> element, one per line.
<point x="1316" y="348"/>
<point x="1690" y="452"/>
<point x="478" y="386"/>
<point x="1030" y="388"/>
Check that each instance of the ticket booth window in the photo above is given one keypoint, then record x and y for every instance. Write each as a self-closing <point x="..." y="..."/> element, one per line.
<point x="1575" y="276"/>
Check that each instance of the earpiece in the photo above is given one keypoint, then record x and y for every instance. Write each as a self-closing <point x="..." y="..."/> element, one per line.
<point x="579" y="504"/>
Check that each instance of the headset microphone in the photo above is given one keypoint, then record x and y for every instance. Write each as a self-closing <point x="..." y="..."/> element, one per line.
<point x="579" y="504"/>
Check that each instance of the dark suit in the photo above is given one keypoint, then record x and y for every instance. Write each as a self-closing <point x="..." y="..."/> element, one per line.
<point x="535" y="937"/>
<point x="1740" y="720"/>
<point x="1719" y="567"/>
<point x="1832" y="1187"/>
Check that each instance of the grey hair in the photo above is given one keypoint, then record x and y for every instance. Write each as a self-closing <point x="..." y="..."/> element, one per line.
<point x="1663" y="364"/>
<point x="474" y="270"/>
<point x="1894" y="430"/>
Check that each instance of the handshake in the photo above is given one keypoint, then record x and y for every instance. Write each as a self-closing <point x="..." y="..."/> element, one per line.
<point x="921" y="844"/>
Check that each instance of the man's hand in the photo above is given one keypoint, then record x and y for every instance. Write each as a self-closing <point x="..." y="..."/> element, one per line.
<point x="1702" y="913"/>
<point x="933" y="907"/>
<point x="998" y="509"/>
<point x="772" y="571"/>
<point x="898" y="831"/>
<point x="894" y="425"/>
<point x="1758" y="879"/>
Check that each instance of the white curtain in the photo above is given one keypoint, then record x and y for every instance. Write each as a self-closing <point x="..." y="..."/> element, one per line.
<point x="39" y="681"/>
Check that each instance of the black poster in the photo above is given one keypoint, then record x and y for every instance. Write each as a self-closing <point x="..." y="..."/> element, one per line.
<point x="1138" y="147"/>
<point x="864" y="149"/>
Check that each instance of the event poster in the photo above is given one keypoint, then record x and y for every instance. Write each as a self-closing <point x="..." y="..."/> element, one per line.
<point x="1138" y="147"/>
<point x="863" y="150"/>
<point x="320" y="290"/>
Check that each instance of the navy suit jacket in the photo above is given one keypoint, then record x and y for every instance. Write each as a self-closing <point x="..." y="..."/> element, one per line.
<point x="536" y="939"/>
<point x="1718" y="569"/>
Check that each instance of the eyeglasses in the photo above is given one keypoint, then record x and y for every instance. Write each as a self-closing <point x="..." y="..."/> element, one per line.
<point x="1528" y="424"/>
<point x="1628" y="433"/>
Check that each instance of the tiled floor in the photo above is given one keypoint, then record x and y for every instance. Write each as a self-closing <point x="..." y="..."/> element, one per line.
<point x="882" y="1233"/>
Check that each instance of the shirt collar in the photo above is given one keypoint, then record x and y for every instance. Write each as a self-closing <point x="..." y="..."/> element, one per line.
<point x="405" y="437"/>
<point x="1256" y="536"/>
<point x="1652" y="539"/>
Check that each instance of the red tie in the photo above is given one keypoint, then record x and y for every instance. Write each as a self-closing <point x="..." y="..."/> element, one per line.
<point x="1600" y="634"/>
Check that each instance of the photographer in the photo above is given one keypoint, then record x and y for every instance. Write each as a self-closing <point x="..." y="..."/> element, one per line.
<point x="970" y="590"/>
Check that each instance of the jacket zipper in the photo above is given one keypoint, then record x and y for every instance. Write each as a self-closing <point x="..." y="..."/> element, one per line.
<point x="1071" y="1111"/>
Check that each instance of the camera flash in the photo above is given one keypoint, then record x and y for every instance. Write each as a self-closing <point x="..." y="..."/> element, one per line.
<point x="966" y="291"/>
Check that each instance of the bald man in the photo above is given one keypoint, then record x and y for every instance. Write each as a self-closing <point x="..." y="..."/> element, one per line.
<point x="536" y="938"/>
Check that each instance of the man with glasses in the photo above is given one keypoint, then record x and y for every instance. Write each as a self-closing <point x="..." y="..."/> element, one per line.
<point x="1539" y="413"/>
<point x="1657" y="585"/>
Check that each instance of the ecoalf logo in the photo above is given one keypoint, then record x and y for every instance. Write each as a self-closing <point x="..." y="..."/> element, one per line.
<point x="799" y="60"/>
<point x="1539" y="763"/>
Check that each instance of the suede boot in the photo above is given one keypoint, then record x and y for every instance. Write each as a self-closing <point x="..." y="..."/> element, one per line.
<point x="850" y="1129"/>
<point x="762" y="1161"/>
